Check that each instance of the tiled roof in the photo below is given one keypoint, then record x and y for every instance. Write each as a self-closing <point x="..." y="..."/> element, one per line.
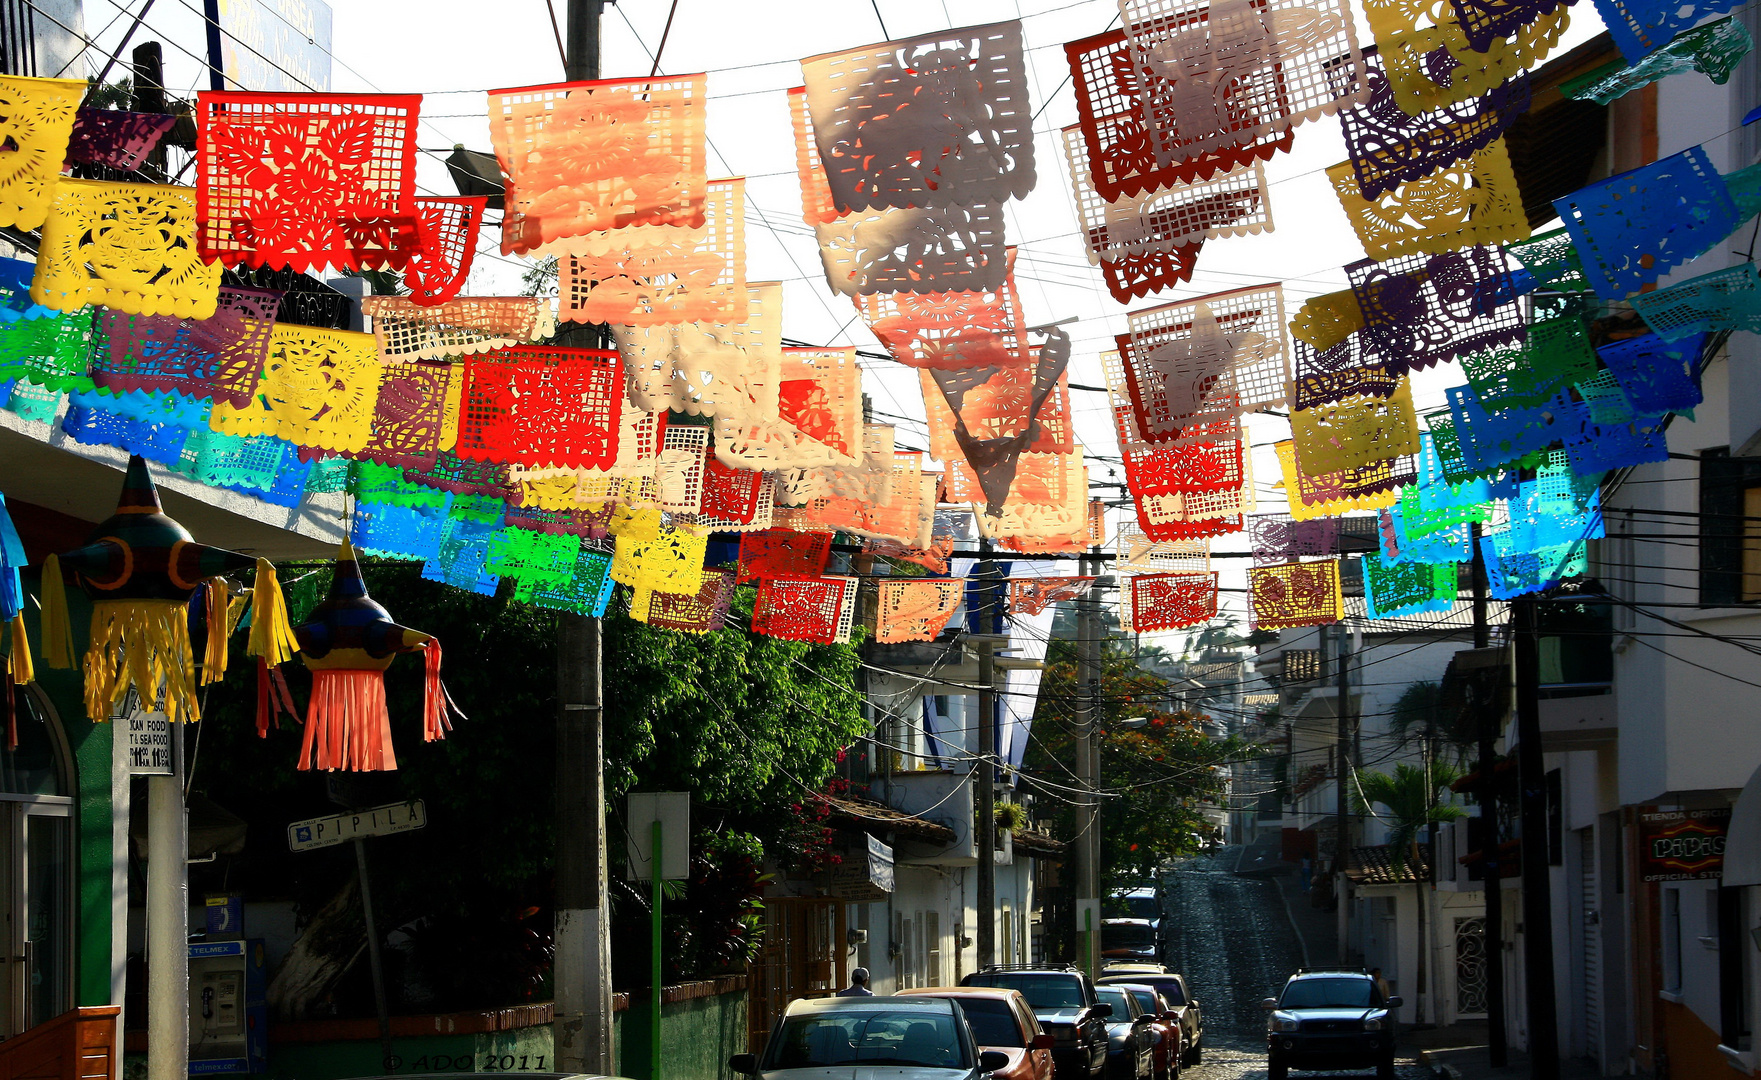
<point x="1375" y="866"/>
<point x="866" y="815"/>
<point x="1038" y="845"/>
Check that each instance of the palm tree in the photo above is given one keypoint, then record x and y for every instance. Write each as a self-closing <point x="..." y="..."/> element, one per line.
<point x="1410" y="796"/>
<point x="1422" y="712"/>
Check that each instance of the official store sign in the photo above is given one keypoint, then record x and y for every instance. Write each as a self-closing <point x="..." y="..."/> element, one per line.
<point x="1682" y="845"/>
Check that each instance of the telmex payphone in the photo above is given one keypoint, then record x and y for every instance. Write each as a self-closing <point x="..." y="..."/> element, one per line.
<point x="228" y="1008"/>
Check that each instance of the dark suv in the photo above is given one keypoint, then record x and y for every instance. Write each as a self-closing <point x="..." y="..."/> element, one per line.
<point x="1330" y="1020"/>
<point x="1064" y="1002"/>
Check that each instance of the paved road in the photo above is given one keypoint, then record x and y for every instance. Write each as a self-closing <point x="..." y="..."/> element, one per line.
<point x="1234" y="943"/>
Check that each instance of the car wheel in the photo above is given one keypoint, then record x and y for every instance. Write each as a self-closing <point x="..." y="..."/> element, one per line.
<point x="1277" y="1070"/>
<point x="1385" y="1068"/>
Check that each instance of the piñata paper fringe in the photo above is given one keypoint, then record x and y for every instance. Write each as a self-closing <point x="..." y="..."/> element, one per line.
<point x="347" y="724"/>
<point x="434" y="722"/>
<point x="146" y="644"/>
<point x="216" y="599"/>
<point x="57" y="633"/>
<point x="271" y="637"/>
<point x="19" y="664"/>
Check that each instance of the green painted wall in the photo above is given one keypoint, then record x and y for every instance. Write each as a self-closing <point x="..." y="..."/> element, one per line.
<point x="696" y="1037"/>
<point x="90" y="745"/>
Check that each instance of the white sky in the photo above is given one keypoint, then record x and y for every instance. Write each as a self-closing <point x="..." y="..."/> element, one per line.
<point x="452" y="51"/>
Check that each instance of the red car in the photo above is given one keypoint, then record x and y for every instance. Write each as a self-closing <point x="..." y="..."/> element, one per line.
<point x="1171" y="1047"/>
<point x="1002" y="1020"/>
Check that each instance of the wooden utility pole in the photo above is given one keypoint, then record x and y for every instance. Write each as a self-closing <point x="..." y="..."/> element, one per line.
<point x="985" y="820"/>
<point x="1537" y="887"/>
<point x="582" y="968"/>
<point x="1488" y="720"/>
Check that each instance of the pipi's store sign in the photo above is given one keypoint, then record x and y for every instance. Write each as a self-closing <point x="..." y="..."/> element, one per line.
<point x="1682" y="845"/>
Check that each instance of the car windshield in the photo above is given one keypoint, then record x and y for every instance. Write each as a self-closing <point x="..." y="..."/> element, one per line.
<point x="1127" y="936"/>
<point x="882" y="1037"/>
<point x="1322" y="993"/>
<point x="1041" y="991"/>
<point x="1170" y="989"/>
<point x="1146" y="1000"/>
<point x="993" y="1022"/>
<point x="1133" y="906"/>
<point x="1115" y="997"/>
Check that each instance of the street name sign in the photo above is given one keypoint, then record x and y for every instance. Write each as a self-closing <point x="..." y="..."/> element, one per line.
<point x="334" y="829"/>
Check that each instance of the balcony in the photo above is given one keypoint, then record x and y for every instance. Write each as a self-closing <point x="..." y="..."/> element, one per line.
<point x="1302" y="665"/>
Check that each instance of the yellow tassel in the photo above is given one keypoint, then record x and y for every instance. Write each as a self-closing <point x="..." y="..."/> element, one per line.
<point x="144" y="644"/>
<point x="271" y="637"/>
<point x="23" y="671"/>
<point x="57" y="631"/>
<point x="214" y="659"/>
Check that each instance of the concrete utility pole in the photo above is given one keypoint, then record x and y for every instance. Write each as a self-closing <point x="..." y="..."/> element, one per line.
<point x="1537" y="888"/>
<point x="1342" y="777"/>
<point x="168" y="918"/>
<point x="1492" y="870"/>
<point x="1088" y="848"/>
<point x="984" y="771"/>
<point x="582" y="969"/>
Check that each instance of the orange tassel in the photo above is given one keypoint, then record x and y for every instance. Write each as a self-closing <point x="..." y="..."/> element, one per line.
<point x="347" y="723"/>
<point x="215" y="600"/>
<point x="434" y="721"/>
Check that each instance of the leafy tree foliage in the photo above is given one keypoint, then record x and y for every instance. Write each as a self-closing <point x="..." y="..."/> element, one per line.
<point x="1155" y="779"/>
<point x="746" y="723"/>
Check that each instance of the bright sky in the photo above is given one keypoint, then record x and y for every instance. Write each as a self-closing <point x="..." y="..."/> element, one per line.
<point x="452" y="51"/>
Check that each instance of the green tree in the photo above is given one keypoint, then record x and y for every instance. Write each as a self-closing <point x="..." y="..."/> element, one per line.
<point x="1421" y="714"/>
<point x="1155" y="779"/>
<point x="1410" y="796"/>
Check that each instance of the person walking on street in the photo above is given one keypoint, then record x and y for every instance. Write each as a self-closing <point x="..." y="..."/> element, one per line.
<point x="858" y="985"/>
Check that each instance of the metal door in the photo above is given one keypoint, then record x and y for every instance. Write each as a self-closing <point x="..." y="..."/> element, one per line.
<point x="1591" y="921"/>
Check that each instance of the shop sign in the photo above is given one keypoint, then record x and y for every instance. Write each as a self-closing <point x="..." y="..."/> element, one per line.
<point x="149" y="737"/>
<point x="1682" y="845"/>
<point x="865" y="874"/>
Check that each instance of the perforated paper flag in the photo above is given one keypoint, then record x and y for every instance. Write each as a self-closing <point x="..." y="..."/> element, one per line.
<point x="1430" y="61"/>
<point x="924" y="121"/>
<point x="1389" y="146"/>
<point x="1407" y="588"/>
<point x="1234" y="203"/>
<point x="1137" y="275"/>
<point x="1358" y="430"/>
<point x="319" y="389"/>
<point x="820" y="610"/>
<point x="1326" y="320"/>
<point x="407" y="330"/>
<point x="916" y="609"/>
<point x="589" y="165"/>
<point x="1219" y="75"/>
<point x="542" y="406"/>
<point x="1640" y="27"/>
<point x="38" y="122"/>
<point x="1471" y="202"/>
<point x="1295" y="594"/>
<point x="1162" y="602"/>
<point x="1632" y="229"/>
<point x="1122" y="158"/>
<point x="695" y="276"/>
<point x="944" y="248"/>
<point x="819" y="416"/>
<point x="1031" y="596"/>
<point x="131" y="247"/>
<point x="1713" y="49"/>
<point x="1420" y="310"/>
<point x="996" y="409"/>
<point x="1318" y="494"/>
<point x="727" y="370"/>
<point x="1206" y="358"/>
<point x="1728" y="299"/>
<point x="220" y="357"/>
<point x="287" y="180"/>
<point x="949" y="330"/>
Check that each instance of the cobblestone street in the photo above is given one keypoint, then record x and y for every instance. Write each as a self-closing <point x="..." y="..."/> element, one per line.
<point x="1232" y="940"/>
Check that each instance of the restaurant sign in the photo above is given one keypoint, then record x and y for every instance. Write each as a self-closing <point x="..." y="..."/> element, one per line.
<point x="1682" y="845"/>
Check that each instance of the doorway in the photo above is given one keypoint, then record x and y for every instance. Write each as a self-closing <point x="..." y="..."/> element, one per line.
<point x="36" y="869"/>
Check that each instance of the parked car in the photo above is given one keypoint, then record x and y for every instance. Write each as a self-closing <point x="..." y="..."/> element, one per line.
<point x="1127" y="967"/>
<point x="1171" y="1046"/>
<point x="902" y="1038"/>
<point x="1000" y="1020"/>
<point x="1140" y="902"/>
<point x="1131" y="1041"/>
<point x="1325" y="1019"/>
<point x="1064" y="1002"/>
<point x="1130" y="939"/>
<point x="1175" y="991"/>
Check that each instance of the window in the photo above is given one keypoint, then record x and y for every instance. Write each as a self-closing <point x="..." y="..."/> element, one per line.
<point x="1008" y="943"/>
<point x="1672" y="940"/>
<point x="907" y="955"/>
<point x="1730" y="541"/>
<point x="932" y="949"/>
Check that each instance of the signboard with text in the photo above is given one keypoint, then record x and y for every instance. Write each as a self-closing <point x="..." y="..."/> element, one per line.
<point x="357" y="825"/>
<point x="281" y="45"/>
<point x="1682" y="845"/>
<point x="865" y="874"/>
<point x="149" y="737"/>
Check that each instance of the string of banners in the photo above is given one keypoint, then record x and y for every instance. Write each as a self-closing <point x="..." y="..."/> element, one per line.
<point x="698" y="453"/>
